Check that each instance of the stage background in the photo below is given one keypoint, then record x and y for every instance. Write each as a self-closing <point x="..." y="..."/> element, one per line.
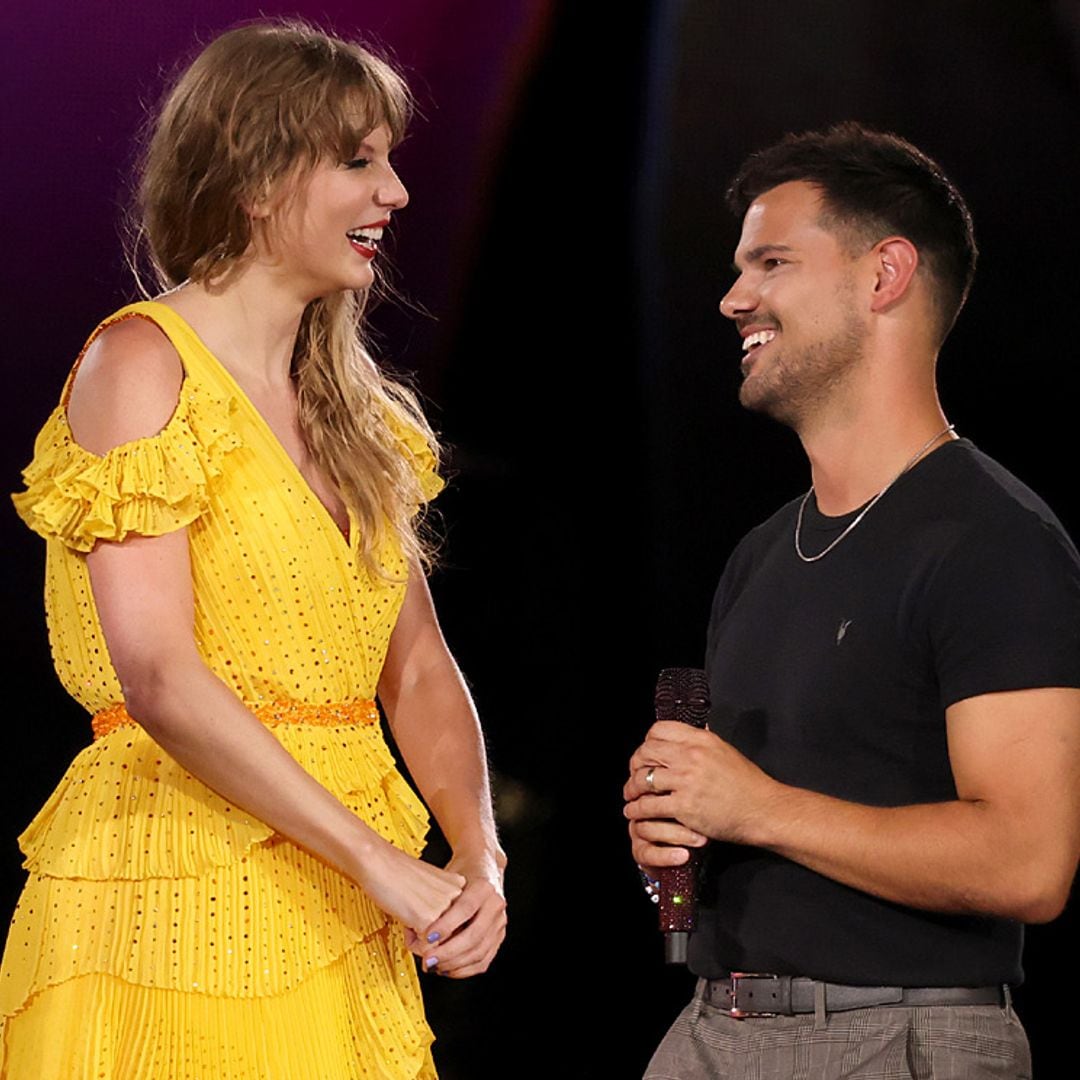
<point x="564" y="252"/>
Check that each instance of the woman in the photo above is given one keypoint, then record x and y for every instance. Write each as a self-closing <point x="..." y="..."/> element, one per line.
<point x="226" y="882"/>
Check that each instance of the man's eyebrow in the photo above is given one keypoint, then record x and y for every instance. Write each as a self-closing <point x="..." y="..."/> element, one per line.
<point x="756" y="254"/>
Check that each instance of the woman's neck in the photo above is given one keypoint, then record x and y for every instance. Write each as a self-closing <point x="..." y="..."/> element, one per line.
<point x="250" y="324"/>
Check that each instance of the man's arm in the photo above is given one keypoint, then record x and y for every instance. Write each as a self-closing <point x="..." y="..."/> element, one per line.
<point x="1006" y="846"/>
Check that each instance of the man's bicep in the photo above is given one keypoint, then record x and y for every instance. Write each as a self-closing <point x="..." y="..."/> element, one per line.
<point x="1015" y="743"/>
<point x="1018" y="754"/>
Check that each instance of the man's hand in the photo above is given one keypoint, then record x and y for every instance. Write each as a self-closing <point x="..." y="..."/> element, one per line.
<point x="702" y="788"/>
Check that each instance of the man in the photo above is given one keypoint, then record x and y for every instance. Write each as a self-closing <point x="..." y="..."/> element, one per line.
<point x="890" y="780"/>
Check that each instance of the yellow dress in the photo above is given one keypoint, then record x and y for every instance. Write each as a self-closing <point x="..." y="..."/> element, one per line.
<point x="165" y="934"/>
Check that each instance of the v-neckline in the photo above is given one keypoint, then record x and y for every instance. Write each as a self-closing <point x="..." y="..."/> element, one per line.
<point x="241" y="394"/>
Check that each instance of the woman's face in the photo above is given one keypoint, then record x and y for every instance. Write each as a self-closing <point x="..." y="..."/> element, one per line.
<point x="324" y="235"/>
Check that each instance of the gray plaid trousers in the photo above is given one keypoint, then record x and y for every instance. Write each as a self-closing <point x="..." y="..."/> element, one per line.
<point x="956" y="1042"/>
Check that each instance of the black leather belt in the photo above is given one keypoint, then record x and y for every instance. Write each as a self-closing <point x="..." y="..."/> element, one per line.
<point x="744" y="995"/>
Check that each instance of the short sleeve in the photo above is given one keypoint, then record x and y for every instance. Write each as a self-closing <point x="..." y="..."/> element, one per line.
<point x="420" y="455"/>
<point x="1005" y="611"/>
<point x="147" y="487"/>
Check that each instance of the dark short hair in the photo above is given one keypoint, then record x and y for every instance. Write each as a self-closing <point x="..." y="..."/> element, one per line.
<point x="874" y="184"/>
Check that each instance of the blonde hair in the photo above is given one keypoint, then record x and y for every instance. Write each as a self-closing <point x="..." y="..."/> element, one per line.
<point x="259" y="106"/>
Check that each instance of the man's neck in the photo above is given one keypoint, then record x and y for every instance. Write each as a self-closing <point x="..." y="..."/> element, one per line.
<point x="853" y="459"/>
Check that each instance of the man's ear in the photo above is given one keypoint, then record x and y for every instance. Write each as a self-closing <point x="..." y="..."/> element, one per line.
<point x="897" y="259"/>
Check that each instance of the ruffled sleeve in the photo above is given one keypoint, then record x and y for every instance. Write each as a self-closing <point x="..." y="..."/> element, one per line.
<point x="146" y="487"/>
<point x="417" y="449"/>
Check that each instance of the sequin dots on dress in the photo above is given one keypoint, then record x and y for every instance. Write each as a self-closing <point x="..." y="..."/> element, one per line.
<point x="163" y="932"/>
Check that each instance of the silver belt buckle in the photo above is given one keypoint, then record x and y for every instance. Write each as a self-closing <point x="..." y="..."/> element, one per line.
<point x="742" y="1014"/>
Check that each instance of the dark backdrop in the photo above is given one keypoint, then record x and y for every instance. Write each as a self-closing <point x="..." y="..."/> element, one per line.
<point x="566" y="232"/>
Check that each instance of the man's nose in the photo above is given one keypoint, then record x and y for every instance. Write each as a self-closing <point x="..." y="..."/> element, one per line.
<point x="738" y="300"/>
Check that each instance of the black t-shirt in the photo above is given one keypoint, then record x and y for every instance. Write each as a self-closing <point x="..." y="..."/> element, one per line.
<point x="835" y="675"/>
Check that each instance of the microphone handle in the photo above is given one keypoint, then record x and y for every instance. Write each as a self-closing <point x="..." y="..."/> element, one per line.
<point x="682" y="694"/>
<point x="678" y="907"/>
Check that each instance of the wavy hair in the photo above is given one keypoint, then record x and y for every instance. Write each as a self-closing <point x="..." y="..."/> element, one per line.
<point x="259" y="107"/>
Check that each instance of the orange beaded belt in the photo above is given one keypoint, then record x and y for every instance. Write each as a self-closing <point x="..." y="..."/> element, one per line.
<point x="269" y="712"/>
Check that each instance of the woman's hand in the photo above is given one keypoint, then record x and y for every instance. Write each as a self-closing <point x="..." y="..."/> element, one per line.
<point x="465" y="939"/>
<point x="412" y="891"/>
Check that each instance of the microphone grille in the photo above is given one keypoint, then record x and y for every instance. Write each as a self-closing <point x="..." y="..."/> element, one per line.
<point x="682" y="694"/>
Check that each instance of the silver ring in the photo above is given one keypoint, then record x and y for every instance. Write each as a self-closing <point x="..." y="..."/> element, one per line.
<point x="649" y="778"/>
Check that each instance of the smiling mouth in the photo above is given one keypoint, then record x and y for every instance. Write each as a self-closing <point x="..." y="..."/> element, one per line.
<point x="366" y="240"/>
<point x="756" y="340"/>
<point x="751" y="345"/>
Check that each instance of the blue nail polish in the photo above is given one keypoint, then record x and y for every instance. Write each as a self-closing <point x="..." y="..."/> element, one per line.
<point x="431" y="961"/>
<point x="433" y="937"/>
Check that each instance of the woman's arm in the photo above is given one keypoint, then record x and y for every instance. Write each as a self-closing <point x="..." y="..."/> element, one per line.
<point x="127" y="389"/>
<point x="434" y="723"/>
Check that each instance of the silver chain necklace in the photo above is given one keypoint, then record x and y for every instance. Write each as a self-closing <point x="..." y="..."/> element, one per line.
<point x="864" y="511"/>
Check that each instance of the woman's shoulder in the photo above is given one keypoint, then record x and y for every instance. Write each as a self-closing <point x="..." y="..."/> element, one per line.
<point x="135" y="443"/>
<point x="126" y="386"/>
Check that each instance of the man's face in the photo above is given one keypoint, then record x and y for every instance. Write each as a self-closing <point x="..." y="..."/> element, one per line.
<point x="794" y="304"/>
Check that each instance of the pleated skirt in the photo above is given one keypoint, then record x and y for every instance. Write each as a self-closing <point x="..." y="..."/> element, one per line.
<point x="164" y="934"/>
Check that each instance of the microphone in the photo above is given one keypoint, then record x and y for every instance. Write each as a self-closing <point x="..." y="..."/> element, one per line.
<point x="681" y="694"/>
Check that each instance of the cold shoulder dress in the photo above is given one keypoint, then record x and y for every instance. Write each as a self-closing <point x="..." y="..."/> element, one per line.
<point x="165" y="934"/>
